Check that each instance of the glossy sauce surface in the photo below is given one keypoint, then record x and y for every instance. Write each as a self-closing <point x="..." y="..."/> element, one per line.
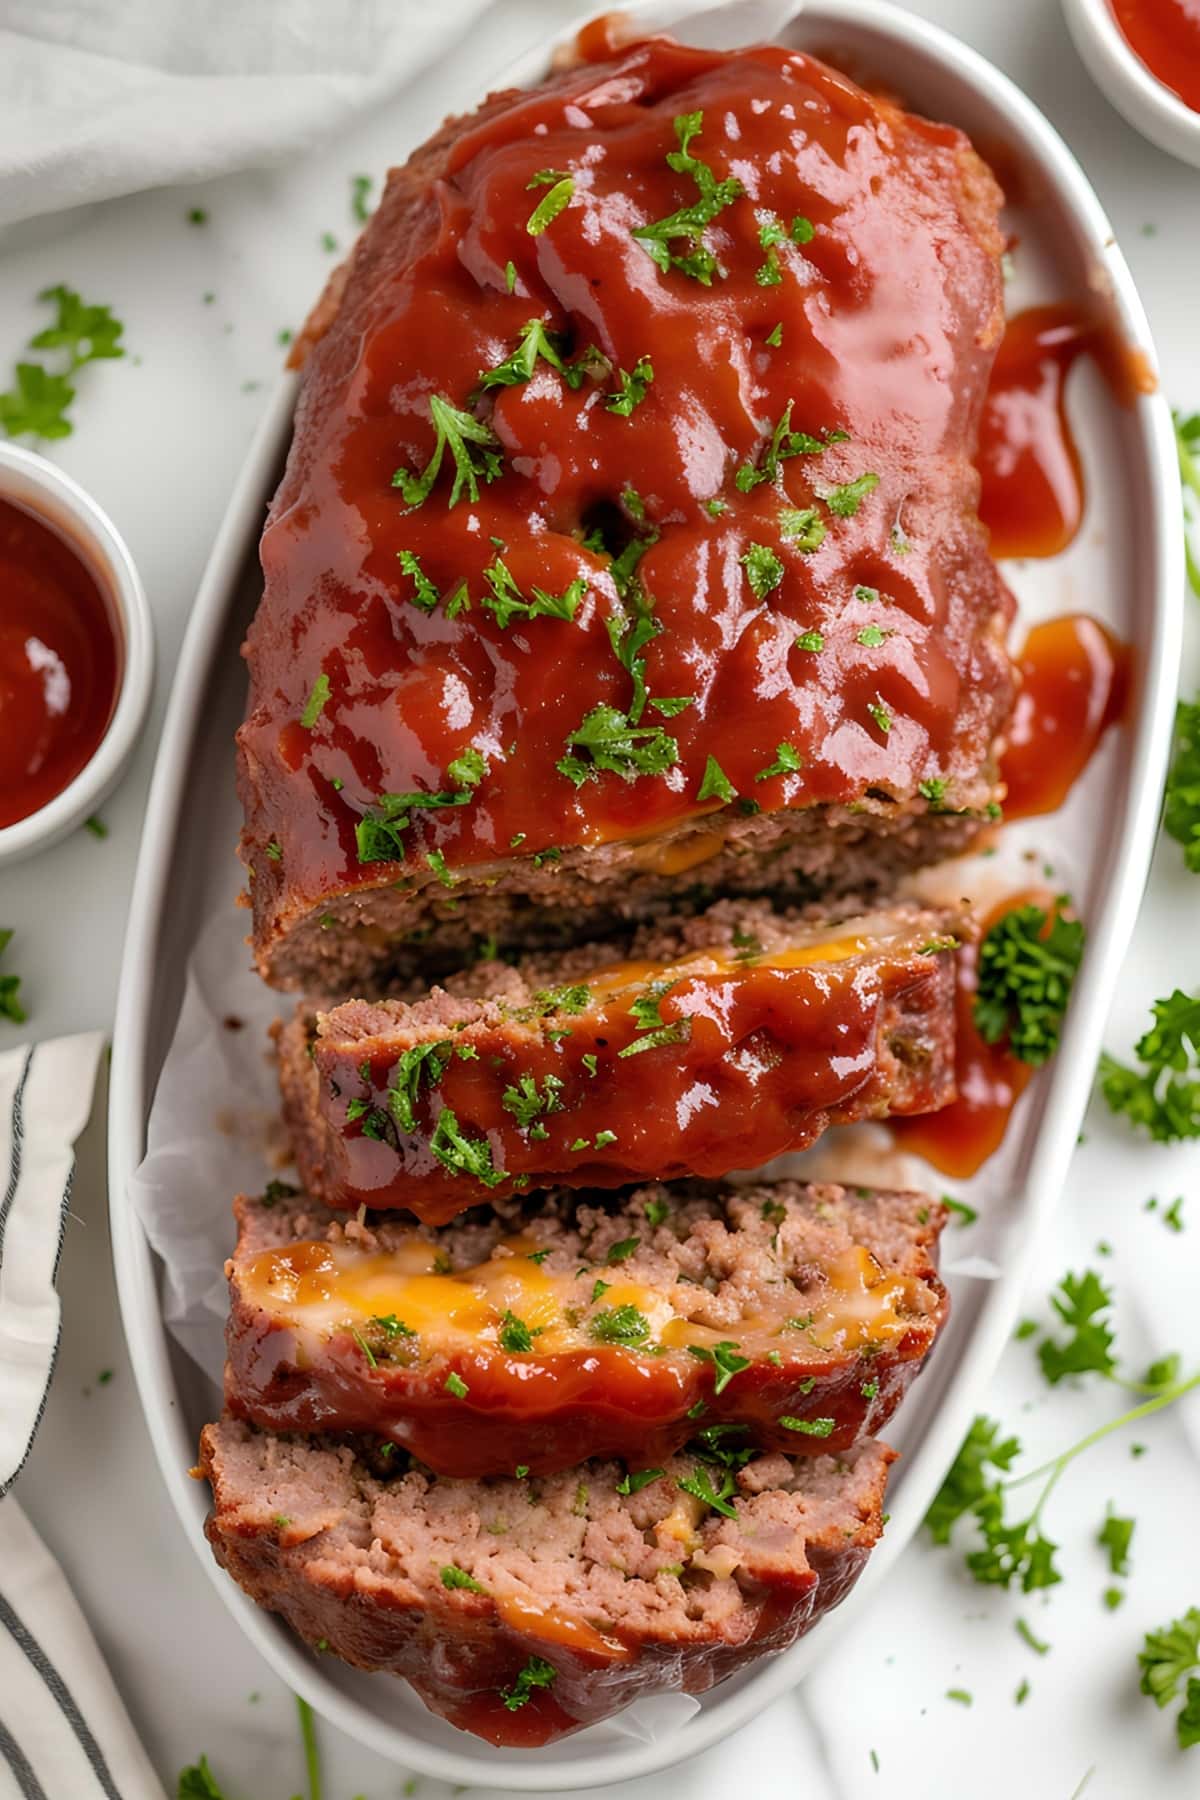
<point x="959" y="1139"/>
<point x="886" y="317"/>
<point x="1075" y="684"/>
<point x="59" y="664"/>
<point x="1032" y="498"/>
<point x="731" y="1064"/>
<point x="1165" y="34"/>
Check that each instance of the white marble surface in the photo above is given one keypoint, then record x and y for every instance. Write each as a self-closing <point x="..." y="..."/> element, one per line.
<point x="158" y="442"/>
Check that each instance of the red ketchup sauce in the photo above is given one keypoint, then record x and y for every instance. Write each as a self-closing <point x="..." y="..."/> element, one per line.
<point x="1075" y="682"/>
<point x="1165" y="35"/>
<point x="1032" y="499"/>
<point x="59" y="664"/>
<point x="959" y="1139"/>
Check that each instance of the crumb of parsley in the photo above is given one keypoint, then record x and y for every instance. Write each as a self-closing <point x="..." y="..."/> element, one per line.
<point x="1027" y="964"/>
<point x="633" y="1484"/>
<point x="515" y="1335"/>
<point x="630" y="391"/>
<point x="96" y="826"/>
<point x="716" y="785"/>
<point x="787" y="762"/>
<point x="812" y="641"/>
<point x="462" y="1155"/>
<point x="820" y="1428"/>
<point x="317" y="701"/>
<point x="608" y="739"/>
<point x="536" y="1674"/>
<point x="764" y="571"/>
<point x="454" y="1577"/>
<point x="803" y="527"/>
<point x="360" y="187"/>
<point x="1116" y="1536"/>
<point x="686" y="225"/>
<point x="784" y="443"/>
<point x="454" y="1384"/>
<point x="880" y="714"/>
<point x="774" y="337"/>
<point x="561" y="188"/>
<point x="844" y="501"/>
<point x="38" y="404"/>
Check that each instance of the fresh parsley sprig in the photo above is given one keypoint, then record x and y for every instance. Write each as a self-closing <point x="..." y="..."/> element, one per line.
<point x="38" y="404"/>
<point x="1181" y="815"/>
<point x="474" y="449"/>
<point x="784" y="443"/>
<point x="1167" y="1658"/>
<point x="1163" y="1096"/>
<point x="607" y="739"/>
<point x="688" y="223"/>
<point x="1026" y="966"/>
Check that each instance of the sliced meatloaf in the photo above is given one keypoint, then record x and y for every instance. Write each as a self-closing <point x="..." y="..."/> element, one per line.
<point x="618" y="560"/>
<point x="521" y="1609"/>
<point x="790" y="1317"/>
<point x="709" y="1045"/>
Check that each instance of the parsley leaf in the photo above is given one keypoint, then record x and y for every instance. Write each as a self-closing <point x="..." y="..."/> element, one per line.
<point x="551" y="204"/>
<point x="609" y="740"/>
<point x="633" y="1484"/>
<point x="422" y="1062"/>
<point x="688" y="222"/>
<point x="462" y="1155"/>
<point x="426" y="593"/>
<point x="812" y="641"/>
<point x="536" y="1674"/>
<point x="454" y="1577"/>
<point x="1025" y="971"/>
<point x="379" y="833"/>
<point x="526" y="1104"/>
<point x="726" y="1359"/>
<point x="515" y="1334"/>
<point x="821" y="1428"/>
<point x="1164" y="1096"/>
<point x="716" y="784"/>
<point x="966" y="1483"/>
<point x="199" y="1783"/>
<point x="10" y="1005"/>
<point x="474" y="449"/>
<point x="620" y="1325"/>
<point x="1167" y="1658"/>
<point x="803" y="527"/>
<point x="784" y="442"/>
<point x="787" y="762"/>
<point x="534" y="341"/>
<point x="844" y="501"/>
<point x="764" y="571"/>
<point x="699" y="1484"/>
<point x="1079" y="1301"/>
<point x="1181" y="817"/>
<point x="1115" y="1536"/>
<point x="317" y="701"/>
<point x="506" y="602"/>
<point x="632" y="389"/>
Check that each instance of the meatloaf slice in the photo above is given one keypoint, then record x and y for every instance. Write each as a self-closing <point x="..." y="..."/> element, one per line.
<point x="787" y="1316"/>
<point x="612" y="562"/>
<point x="710" y="1045"/>
<point x="520" y="1609"/>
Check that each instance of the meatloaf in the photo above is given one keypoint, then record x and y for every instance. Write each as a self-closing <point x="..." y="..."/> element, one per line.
<point x="792" y="1317"/>
<point x="711" y="1044"/>
<point x="522" y="1609"/>
<point x="627" y="547"/>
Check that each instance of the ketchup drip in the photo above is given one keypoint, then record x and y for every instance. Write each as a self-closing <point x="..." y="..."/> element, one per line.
<point x="59" y="663"/>
<point x="1032" y="499"/>
<point x="959" y="1139"/>
<point x="1075" y="682"/>
<point x="1165" y="35"/>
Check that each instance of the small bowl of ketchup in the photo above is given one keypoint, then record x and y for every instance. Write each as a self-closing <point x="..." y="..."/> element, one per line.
<point x="76" y="654"/>
<point x="1144" y="55"/>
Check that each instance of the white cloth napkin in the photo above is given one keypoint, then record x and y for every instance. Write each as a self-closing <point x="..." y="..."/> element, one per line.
<point x="102" y="97"/>
<point x="64" y="1734"/>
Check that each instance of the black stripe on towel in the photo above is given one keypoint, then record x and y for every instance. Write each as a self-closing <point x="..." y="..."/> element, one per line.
<point x="17" y="1125"/>
<point x="35" y="1655"/>
<point x="31" y="1788"/>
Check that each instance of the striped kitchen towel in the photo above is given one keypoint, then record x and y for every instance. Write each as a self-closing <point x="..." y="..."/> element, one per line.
<point x="64" y="1734"/>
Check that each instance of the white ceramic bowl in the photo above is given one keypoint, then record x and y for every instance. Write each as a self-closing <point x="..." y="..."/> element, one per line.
<point x="1127" y="561"/>
<point x="1124" y="79"/>
<point x="40" y="488"/>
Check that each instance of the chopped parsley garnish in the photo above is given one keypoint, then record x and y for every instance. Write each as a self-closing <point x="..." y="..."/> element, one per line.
<point x="699" y="1485"/>
<point x="623" y="568"/>
<point x="657" y="1212"/>
<point x="1026" y="967"/>
<point x="437" y="862"/>
<point x="454" y="1577"/>
<point x="1115" y="1536"/>
<point x="474" y="449"/>
<point x="1181" y="815"/>
<point x="1164" y="1095"/>
<point x="1167" y="1658"/>
<point x="535" y="1674"/>
<point x="506" y="602"/>
<point x="378" y="834"/>
<point x="10" y="1005"/>
<point x="552" y="203"/>
<point x="534" y="341"/>
<point x="515" y="1334"/>
<point x="199" y="1783"/>
<point x="821" y="1428"/>
<point x="688" y="223"/>
<point x="1187" y="445"/>
<point x="784" y="443"/>
<point x="646" y="1010"/>
<point x="774" y="337"/>
<point x="621" y="1252"/>
<point x="468" y="768"/>
<point x="631" y="390"/>
<point x="275" y="850"/>
<point x="454" y="1384"/>
<point x="933" y="790"/>
<point x="787" y="762"/>
<point x="607" y="739"/>
<point x="38" y="404"/>
<point x="365" y="1348"/>
<point x="633" y="1484"/>
<point x="422" y="1062"/>
<point x="870" y="637"/>
<point x="844" y="501"/>
<point x="880" y="714"/>
<point x="360" y="187"/>
<point x="391" y="1326"/>
<point x="525" y="1102"/>
<point x="678" y="1032"/>
<point x="726" y="1359"/>
<point x="426" y="593"/>
<point x="966" y="1214"/>
<point x="620" y="1325"/>
<point x="510" y="277"/>
<point x="716" y="784"/>
<point x="803" y="527"/>
<point x="770" y="235"/>
<point x="572" y="998"/>
<point x="812" y="641"/>
<point x="764" y="571"/>
<point x="316" y="702"/>
<point x="1079" y="1301"/>
<point x="463" y="1155"/>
